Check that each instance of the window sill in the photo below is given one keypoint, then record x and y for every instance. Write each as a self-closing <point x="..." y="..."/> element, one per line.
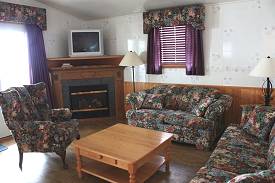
<point x="173" y="65"/>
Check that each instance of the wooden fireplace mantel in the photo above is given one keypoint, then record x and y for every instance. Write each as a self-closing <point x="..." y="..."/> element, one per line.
<point x="84" y="68"/>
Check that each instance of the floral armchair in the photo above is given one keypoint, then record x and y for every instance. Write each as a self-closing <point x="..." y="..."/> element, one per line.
<point x="34" y="126"/>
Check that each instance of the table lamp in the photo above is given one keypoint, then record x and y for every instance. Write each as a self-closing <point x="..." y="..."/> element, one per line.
<point x="131" y="59"/>
<point x="265" y="68"/>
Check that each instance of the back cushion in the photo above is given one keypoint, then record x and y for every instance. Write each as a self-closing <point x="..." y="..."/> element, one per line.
<point x="196" y="94"/>
<point x="153" y="101"/>
<point x="176" y="102"/>
<point x="258" y="120"/>
<point x="201" y="108"/>
<point x="28" y="107"/>
<point x="11" y="106"/>
<point x="38" y="95"/>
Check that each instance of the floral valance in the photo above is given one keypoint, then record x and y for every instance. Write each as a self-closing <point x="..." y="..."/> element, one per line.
<point x="16" y="13"/>
<point x="193" y="15"/>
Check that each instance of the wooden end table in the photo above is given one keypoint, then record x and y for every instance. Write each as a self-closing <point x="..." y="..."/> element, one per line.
<point x="123" y="153"/>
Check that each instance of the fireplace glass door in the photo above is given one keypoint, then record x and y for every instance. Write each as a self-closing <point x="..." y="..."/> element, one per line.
<point x="89" y="101"/>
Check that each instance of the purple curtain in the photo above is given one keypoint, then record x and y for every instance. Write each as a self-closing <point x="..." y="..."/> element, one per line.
<point x="194" y="51"/>
<point x="154" y="52"/>
<point x="37" y="59"/>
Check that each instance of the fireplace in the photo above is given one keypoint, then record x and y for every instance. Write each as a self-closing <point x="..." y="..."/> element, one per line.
<point x="89" y="101"/>
<point x="92" y="98"/>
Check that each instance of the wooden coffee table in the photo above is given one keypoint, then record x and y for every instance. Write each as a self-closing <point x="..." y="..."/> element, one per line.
<point x="123" y="153"/>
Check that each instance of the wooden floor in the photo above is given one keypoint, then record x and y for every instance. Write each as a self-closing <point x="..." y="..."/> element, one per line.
<point x="47" y="168"/>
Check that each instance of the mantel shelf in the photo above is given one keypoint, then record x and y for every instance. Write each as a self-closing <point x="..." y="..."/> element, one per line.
<point x="85" y="61"/>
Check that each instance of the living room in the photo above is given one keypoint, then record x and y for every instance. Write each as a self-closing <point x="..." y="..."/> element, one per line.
<point x="137" y="91"/>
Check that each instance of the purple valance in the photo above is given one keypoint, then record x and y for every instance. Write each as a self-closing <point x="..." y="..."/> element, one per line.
<point x="188" y="15"/>
<point x="16" y="13"/>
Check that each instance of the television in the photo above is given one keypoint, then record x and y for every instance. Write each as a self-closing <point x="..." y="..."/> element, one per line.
<point x="85" y="43"/>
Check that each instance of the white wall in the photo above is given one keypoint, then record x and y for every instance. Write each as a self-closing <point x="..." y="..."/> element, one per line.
<point x="58" y="25"/>
<point x="55" y="37"/>
<point x="237" y="35"/>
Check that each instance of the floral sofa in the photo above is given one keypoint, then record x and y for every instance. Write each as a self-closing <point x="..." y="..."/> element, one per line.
<point x="245" y="153"/>
<point x="193" y="114"/>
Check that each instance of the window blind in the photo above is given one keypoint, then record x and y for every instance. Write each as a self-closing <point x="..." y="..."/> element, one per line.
<point x="172" y="40"/>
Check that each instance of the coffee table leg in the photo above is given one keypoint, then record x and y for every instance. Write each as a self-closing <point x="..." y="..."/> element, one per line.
<point x="78" y="162"/>
<point x="132" y="177"/>
<point x="167" y="159"/>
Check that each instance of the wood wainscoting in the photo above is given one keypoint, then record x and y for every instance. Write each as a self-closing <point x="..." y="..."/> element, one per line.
<point x="241" y="96"/>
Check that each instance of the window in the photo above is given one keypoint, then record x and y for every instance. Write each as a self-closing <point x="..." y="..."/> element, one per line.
<point x="172" y="42"/>
<point x="14" y="63"/>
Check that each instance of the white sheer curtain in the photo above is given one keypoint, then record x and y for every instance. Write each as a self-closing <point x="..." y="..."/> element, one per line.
<point x="14" y="63"/>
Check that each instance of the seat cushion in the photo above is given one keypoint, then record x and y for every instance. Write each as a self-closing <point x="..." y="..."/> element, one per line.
<point x="187" y="119"/>
<point x="146" y="115"/>
<point x="239" y="152"/>
<point x="205" y="175"/>
<point x="258" y="120"/>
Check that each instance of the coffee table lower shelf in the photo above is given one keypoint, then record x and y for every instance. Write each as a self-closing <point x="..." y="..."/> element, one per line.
<point x="115" y="175"/>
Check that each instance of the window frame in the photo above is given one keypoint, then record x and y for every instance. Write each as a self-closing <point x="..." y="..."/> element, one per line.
<point x="172" y="64"/>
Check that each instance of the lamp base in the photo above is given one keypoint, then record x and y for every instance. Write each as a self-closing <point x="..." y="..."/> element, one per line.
<point x="267" y="92"/>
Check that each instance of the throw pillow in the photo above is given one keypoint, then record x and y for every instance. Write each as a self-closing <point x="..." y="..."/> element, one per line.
<point x="176" y="102"/>
<point x="200" y="109"/>
<point x="261" y="176"/>
<point x="153" y="101"/>
<point x="258" y="121"/>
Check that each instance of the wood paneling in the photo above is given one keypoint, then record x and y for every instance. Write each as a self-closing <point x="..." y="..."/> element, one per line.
<point x="241" y="96"/>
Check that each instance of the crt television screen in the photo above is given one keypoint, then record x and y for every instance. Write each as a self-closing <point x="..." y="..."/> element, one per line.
<point x="85" y="41"/>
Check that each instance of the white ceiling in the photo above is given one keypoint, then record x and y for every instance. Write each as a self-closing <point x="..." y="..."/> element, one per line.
<point x="95" y="9"/>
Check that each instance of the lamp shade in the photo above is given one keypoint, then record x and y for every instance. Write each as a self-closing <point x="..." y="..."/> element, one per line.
<point x="265" y="68"/>
<point x="131" y="59"/>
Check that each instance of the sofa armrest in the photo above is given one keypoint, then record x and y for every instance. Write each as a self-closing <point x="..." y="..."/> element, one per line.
<point x="62" y="114"/>
<point x="217" y="108"/>
<point x="136" y="99"/>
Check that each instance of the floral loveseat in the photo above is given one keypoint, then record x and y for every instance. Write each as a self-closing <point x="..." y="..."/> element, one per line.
<point x="193" y="114"/>
<point x="245" y="153"/>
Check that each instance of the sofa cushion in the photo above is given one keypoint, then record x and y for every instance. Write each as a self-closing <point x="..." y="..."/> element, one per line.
<point x="258" y="120"/>
<point x="239" y="152"/>
<point x="136" y="99"/>
<point x="176" y="102"/>
<point x="257" y="177"/>
<point x="271" y="154"/>
<point x="27" y="103"/>
<point x="206" y="174"/>
<point x="153" y="101"/>
<point x="235" y="136"/>
<point x="272" y="133"/>
<point x="201" y="108"/>
<point x="146" y="115"/>
<point x="187" y="119"/>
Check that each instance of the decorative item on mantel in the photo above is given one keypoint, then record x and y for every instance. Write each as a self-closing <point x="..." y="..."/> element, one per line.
<point x="265" y="68"/>
<point x="131" y="59"/>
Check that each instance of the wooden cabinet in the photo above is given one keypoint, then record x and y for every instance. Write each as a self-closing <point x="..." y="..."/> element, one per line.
<point x="88" y="69"/>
